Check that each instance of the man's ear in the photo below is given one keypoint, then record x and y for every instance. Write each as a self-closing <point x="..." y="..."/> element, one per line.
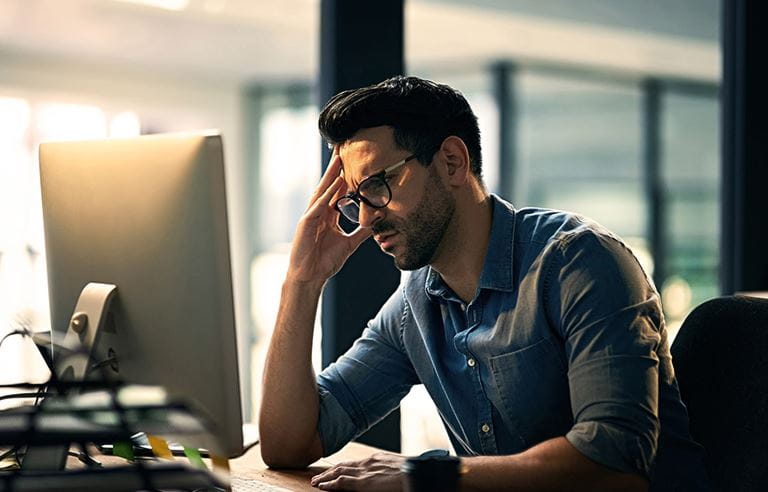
<point x="457" y="163"/>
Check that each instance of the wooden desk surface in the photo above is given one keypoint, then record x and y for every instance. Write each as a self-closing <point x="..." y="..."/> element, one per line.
<point x="250" y="465"/>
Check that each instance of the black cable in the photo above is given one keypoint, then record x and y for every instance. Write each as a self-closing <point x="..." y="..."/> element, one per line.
<point x="36" y="395"/>
<point x="24" y="385"/>
<point x="40" y="393"/>
<point x="250" y="446"/>
<point x="103" y="363"/>
<point x="99" y="385"/>
<point x="24" y="332"/>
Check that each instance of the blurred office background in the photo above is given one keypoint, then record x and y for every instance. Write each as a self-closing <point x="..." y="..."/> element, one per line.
<point x="604" y="107"/>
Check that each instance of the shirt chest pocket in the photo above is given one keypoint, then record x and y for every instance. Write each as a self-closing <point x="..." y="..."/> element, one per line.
<point x="532" y="386"/>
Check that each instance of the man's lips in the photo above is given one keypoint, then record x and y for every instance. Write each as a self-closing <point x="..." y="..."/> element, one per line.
<point x="385" y="240"/>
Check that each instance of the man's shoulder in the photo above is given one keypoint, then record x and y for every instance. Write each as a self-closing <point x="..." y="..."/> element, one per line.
<point x="544" y="225"/>
<point x="539" y="232"/>
<point x="575" y="239"/>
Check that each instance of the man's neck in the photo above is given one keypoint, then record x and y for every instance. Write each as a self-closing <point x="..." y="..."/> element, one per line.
<point x="462" y="253"/>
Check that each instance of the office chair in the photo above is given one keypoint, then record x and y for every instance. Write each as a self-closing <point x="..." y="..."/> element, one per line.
<point x="720" y="356"/>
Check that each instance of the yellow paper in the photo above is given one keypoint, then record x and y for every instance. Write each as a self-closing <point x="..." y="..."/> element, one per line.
<point x="160" y="447"/>
<point x="220" y="463"/>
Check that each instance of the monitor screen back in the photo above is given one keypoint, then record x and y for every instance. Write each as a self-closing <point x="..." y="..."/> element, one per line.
<point x="148" y="214"/>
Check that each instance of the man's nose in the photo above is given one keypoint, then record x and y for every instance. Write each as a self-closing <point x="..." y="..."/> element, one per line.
<point x="370" y="215"/>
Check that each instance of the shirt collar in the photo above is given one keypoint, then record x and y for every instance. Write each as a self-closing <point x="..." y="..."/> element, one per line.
<point x="497" y="269"/>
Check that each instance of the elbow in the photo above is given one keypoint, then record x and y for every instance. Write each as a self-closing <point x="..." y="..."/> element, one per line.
<point x="287" y="450"/>
<point x="281" y="459"/>
<point x="284" y="462"/>
<point x="276" y="454"/>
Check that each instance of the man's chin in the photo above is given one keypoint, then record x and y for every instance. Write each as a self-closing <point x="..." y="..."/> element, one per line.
<point x="404" y="258"/>
<point x="405" y="263"/>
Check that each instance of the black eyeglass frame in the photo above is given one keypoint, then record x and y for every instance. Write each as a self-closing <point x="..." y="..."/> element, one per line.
<point x="356" y="197"/>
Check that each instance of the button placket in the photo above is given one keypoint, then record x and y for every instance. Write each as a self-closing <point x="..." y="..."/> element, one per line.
<point x="486" y="439"/>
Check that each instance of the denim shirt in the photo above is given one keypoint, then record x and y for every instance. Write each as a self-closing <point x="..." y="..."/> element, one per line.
<point x="565" y="337"/>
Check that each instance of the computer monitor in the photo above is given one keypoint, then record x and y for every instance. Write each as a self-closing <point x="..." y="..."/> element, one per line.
<point x="148" y="214"/>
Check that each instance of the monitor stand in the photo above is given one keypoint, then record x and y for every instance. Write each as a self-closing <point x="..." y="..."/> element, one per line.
<point x="89" y="318"/>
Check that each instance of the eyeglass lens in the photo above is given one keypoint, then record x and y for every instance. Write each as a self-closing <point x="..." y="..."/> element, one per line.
<point x="350" y="209"/>
<point x="374" y="191"/>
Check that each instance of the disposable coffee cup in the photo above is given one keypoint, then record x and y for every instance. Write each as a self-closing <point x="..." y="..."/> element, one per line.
<point x="431" y="474"/>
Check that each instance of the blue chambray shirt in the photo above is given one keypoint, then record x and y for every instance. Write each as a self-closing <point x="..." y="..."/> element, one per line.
<point x="564" y="337"/>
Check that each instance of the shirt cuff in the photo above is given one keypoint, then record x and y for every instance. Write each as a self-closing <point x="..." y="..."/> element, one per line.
<point x="334" y="424"/>
<point x="611" y="446"/>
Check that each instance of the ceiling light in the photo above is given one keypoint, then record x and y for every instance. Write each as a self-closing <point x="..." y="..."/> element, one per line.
<point x="161" y="4"/>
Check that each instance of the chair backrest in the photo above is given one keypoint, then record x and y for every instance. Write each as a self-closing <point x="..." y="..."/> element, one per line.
<point x="720" y="357"/>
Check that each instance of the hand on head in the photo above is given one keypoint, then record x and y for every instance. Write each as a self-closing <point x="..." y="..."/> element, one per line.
<point x="320" y="247"/>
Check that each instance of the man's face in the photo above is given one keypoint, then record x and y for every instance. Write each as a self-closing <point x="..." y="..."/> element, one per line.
<point x="411" y="227"/>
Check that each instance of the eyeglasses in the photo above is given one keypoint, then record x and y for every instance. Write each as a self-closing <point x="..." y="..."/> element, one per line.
<point x="374" y="191"/>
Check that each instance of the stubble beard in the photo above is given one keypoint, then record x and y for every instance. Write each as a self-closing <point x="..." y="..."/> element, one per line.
<point x="423" y="230"/>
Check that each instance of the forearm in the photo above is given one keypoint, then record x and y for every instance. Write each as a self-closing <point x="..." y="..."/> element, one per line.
<point x="551" y="465"/>
<point x="289" y="407"/>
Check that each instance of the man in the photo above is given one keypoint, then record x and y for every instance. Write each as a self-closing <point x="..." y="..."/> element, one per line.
<point x="536" y="332"/>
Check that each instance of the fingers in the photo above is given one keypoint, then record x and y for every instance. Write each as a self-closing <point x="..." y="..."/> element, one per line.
<point x="326" y="200"/>
<point x="342" y="483"/>
<point x="331" y="173"/>
<point x="382" y="471"/>
<point x="333" y="474"/>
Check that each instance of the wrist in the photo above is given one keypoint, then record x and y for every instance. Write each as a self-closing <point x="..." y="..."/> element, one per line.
<point x="303" y="286"/>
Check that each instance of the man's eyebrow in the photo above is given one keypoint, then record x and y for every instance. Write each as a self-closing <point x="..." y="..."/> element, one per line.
<point x="354" y="183"/>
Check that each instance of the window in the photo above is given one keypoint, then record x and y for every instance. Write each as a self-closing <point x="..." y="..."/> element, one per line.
<point x="288" y="170"/>
<point x="580" y="150"/>
<point x="690" y="159"/>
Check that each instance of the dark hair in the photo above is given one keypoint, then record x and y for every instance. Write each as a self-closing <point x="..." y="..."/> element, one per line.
<point x="422" y="114"/>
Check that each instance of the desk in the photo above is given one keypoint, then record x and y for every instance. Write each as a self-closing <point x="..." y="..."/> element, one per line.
<point x="250" y="465"/>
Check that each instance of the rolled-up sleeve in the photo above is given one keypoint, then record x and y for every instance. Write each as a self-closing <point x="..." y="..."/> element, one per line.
<point x="609" y="316"/>
<point x="366" y="383"/>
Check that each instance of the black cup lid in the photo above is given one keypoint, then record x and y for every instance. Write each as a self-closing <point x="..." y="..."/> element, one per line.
<point x="431" y="464"/>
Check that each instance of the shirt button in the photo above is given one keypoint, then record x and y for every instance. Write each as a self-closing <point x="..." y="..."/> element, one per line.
<point x="471" y="362"/>
<point x="486" y="428"/>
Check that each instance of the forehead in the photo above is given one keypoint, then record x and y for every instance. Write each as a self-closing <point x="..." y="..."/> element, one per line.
<point x="367" y="152"/>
